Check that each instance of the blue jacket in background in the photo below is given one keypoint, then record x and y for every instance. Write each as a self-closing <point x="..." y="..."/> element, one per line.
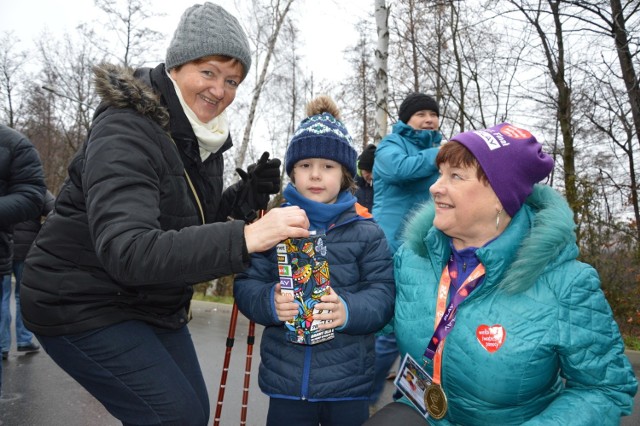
<point x="557" y="322"/>
<point x="403" y="171"/>
<point x="361" y="272"/>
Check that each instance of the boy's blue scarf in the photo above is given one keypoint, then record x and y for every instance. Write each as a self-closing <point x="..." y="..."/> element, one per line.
<point x="320" y="215"/>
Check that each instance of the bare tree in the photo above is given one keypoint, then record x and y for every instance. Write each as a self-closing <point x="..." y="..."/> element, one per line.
<point x="12" y="65"/>
<point x="60" y="104"/>
<point x="128" y="25"/>
<point x="381" y="71"/>
<point x="553" y="48"/>
<point x="287" y="88"/>
<point x="277" y="13"/>
<point x="479" y="71"/>
<point x="460" y="80"/>
<point x="610" y="19"/>
<point x="45" y="129"/>
<point x="409" y="27"/>
<point x="357" y="89"/>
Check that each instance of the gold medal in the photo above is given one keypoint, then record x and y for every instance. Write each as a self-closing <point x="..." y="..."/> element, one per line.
<point x="436" y="401"/>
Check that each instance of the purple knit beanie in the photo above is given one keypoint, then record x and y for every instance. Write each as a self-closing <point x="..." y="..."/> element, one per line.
<point x="511" y="158"/>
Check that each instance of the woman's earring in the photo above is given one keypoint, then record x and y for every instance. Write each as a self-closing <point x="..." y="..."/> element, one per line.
<point x="498" y="219"/>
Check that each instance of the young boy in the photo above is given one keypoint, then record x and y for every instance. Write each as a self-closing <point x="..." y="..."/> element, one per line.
<point x="328" y="382"/>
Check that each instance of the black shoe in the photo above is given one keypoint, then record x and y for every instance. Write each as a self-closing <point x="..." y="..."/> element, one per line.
<point x="5" y="355"/>
<point x="31" y="347"/>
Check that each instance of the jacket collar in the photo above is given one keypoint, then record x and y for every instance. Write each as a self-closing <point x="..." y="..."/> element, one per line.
<point x="421" y="138"/>
<point x="150" y="93"/>
<point x="539" y="236"/>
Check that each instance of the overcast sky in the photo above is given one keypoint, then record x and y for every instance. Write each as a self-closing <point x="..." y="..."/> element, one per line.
<point x="326" y="26"/>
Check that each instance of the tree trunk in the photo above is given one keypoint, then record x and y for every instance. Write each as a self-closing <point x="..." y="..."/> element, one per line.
<point x="381" y="67"/>
<point x="459" y="65"/>
<point x="556" y="66"/>
<point x="564" y="112"/>
<point x="631" y="82"/>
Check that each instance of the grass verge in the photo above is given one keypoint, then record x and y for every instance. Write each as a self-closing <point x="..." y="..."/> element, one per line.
<point x="218" y="299"/>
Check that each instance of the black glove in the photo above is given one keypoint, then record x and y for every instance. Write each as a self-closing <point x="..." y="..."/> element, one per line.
<point x="263" y="176"/>
<point x="260" y="180"/>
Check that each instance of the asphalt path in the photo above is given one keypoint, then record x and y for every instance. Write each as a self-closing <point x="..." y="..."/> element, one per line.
<point x="36" y="392"/>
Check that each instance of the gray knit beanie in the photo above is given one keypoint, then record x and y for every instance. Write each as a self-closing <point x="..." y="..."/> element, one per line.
<point x="206" y="30"/>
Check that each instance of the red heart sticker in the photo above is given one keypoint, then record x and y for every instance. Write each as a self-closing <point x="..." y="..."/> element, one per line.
<point x="491" y="337"/>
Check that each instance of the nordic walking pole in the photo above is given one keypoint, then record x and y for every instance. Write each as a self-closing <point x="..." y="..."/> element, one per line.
<point x="247" y="373"/>
<point x="247" y="365"/>
<point x="227" y="358"/>
<point x="225" y="367"/>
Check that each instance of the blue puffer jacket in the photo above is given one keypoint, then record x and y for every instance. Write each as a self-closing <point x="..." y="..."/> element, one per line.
<point x="556" y="320"/>
<point x="403" y="171"/>
<point x="342" y="368"/>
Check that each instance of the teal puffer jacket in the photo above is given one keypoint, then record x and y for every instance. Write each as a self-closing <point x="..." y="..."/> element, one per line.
<point x="556" y="321"/>
<point x="403" y="171"/>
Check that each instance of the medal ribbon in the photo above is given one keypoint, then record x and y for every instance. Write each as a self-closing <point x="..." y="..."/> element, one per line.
<point x="446" y="315"/>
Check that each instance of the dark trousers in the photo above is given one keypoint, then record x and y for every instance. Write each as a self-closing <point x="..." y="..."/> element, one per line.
<point x="143" y="375"/>
<point x="386" y="355"/>
<point x="326" y="413"/>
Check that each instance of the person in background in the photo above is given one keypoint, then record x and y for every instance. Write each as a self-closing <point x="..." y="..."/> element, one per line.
<point x="364" y="179"/>
<point x="404" y="170"/>
<point x="328" y="383"/>
<point x="512" y="328"/>
<point x="22" y="191"/>
<point x="23" y="235"/>
<point x="404" y="167"/>
<point x="142" y="217"/>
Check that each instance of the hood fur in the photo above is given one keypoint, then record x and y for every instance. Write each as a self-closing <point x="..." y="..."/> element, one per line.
<point x="551" y="237"/>
<point x="119" y="87"/>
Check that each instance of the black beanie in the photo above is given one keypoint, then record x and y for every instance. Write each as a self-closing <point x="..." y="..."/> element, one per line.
<point x="415" y="102"/>
<point x="365" y="161"/>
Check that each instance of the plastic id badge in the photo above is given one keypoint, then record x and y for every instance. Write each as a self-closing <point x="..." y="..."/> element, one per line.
<point x="304" y="272"/>
<point x="413" y="380"/>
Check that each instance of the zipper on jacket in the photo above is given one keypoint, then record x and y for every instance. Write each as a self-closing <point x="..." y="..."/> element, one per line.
<point x="306" y="371"/>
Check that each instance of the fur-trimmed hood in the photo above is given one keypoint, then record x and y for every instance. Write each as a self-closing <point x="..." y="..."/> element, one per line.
<point x="122" y="87"/>
<point x="539" y="236"/>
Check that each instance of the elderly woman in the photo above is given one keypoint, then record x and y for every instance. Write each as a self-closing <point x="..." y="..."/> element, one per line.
<point x="509" y="326"/>
<point x="142" y="217"/>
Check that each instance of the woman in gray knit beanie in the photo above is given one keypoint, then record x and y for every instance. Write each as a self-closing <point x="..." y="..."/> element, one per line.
<point x="142" y="217"/>
<point x="207" y="59"/>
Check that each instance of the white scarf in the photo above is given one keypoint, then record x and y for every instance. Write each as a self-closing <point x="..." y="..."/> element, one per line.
<point x="212" y="135"/>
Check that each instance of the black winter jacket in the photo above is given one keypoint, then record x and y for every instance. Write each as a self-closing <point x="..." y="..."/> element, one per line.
<point x="364" y="193"/>
<point x="21" y="188"/>
<point x="25" y="232"/>
<point x="126" y="240"/>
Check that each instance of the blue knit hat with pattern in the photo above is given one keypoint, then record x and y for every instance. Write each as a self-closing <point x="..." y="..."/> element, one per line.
<point x="321" y="136"/>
